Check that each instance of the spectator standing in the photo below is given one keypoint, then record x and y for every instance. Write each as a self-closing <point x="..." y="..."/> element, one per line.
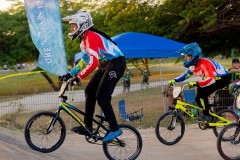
<point x="235" y="70"/>
<point x="145" y="76"/>
<point x="126" y="80"/>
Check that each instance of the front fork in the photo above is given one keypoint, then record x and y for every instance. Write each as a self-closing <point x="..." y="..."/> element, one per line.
<point x="173" y="120"/>
<point x="236" y="140"/>
<point x="53" y="121"/>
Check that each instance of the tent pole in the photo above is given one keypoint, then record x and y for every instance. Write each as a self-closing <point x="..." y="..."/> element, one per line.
<point x="161" y="82"/>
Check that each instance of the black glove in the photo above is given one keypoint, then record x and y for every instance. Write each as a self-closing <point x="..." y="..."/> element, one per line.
<point x="74" y="81"/>
<point x="65" y="77"/>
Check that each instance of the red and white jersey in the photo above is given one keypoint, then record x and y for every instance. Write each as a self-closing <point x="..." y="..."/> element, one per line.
<point x="95" y="47"/>
<point x="209" y="70"/>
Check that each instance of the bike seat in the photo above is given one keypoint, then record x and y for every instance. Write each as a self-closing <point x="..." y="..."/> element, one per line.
<point x="101" y="117"/>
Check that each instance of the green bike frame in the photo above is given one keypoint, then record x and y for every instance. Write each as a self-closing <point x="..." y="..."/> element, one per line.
<point x="180" y="105"/>
<point x="68" y="108"/>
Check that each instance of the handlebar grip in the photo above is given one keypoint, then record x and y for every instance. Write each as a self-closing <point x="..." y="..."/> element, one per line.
<point x="63" y="88"/>
<point x="74" y="82"/>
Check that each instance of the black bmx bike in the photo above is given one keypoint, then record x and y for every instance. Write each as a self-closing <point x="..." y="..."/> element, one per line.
<point x="228" y="142"/>
<point x="46" y="131"/>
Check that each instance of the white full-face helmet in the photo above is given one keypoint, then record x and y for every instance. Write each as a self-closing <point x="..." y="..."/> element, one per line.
<point x="83" y="20"/>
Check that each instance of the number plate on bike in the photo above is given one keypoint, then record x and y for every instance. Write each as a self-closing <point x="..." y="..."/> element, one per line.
<point x="176" y="91"/>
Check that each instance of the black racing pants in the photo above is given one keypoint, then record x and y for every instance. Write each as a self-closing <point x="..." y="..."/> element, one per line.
<point x="145" y="79"/>
<point x="100" y="89"/>
<point x="126" y="83"/>
<point x="203" y="93"/>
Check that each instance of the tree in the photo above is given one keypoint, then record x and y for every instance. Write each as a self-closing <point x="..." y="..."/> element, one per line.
<point x="214" y="24"/>
<point x="16" y="44"/>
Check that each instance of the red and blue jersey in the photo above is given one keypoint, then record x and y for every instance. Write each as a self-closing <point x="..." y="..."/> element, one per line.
<point x="95" y="48"/>
<point x="209" y="70"/>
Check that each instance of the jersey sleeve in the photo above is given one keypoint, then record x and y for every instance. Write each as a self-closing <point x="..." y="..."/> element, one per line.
<point x="188" y="73"/>
<point x="84" y="59"/>
<point x="92" y="50"/>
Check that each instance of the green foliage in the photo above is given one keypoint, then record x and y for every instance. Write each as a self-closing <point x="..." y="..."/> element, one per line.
<point x="16" y="44"/>
<point x="128" y="15"/>
<point x="182" y="20"/>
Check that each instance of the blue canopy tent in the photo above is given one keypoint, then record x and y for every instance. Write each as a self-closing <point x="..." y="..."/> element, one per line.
<point x="142" y="45"/>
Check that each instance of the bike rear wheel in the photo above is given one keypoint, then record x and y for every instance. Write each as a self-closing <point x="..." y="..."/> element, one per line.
<point x="127" y="146"/>
<point x="228" y="142"/>
<point x="36" y="132"/>
<point x="170" y="128"/>
<point x="228" y="114"/>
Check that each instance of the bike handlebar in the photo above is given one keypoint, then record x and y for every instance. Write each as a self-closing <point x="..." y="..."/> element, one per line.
<point x="63" y="89"/>
<point x="183" y="86"/>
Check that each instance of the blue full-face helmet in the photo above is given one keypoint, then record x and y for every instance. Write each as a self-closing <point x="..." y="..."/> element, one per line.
<point x="193" y="50"/>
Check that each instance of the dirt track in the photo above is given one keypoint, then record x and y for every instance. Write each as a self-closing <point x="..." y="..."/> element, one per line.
<point x="195" y="145"/>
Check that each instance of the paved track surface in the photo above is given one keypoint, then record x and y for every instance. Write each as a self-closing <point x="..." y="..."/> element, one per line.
<point x="195" y="145"/>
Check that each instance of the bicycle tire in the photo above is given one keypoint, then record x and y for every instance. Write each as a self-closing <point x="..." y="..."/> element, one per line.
<point x="229" y="149"/>
<point x="131" y="147"/>
<point x="163" y="122"/>
<point x="227" y="113"/>
<point x="36" y="136"/>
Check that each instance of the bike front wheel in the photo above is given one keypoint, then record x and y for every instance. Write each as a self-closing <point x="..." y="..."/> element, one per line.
<point x="170" y="128"/>
<point x="127" y="146"/>
<point x="228" y="142"/>
<point x="43" y="134"/>
<point x="226" y="113"/>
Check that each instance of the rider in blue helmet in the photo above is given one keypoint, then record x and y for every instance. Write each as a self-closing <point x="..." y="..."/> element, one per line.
<point x="214" y="76"/>
<point x="192" y="50"/>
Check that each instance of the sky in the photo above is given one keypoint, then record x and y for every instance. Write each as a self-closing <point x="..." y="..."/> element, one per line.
<point x="4" y="4"/>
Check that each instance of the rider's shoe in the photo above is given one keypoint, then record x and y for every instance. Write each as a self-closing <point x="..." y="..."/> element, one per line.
<point x="80" y="130"/>
<point x="204" y="118"/>
<point x="111" y="135"/>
